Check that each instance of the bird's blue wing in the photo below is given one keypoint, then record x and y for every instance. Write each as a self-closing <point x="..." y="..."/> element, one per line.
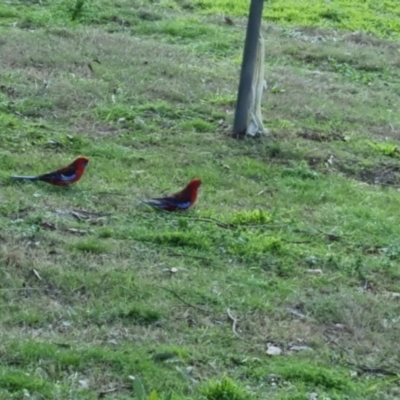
<point x="63" y="176"/>
<point x="173" y="202"/>
<point x="183" y="205"/>
<point x="168" y="202"/>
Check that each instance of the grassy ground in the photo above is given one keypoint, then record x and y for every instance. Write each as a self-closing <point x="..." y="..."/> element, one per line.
<point x="294" y="242"/>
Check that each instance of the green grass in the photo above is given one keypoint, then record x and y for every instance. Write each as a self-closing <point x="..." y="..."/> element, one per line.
<point x="371" y="16"/>
<point x="293" y="242"/>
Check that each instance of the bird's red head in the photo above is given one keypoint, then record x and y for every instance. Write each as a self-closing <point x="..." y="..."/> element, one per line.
<point x="191" y="190"/>
<point x="81" y="162"/>
<point x="194" y="184"/>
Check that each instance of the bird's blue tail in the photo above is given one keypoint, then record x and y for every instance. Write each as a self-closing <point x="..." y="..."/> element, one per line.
<point x="24" y="178"/>
<point x="153" y="203"/>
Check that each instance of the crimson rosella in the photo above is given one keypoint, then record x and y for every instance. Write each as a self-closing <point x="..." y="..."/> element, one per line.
<point x="63" y="176"/>
<point x="178" y="201"/>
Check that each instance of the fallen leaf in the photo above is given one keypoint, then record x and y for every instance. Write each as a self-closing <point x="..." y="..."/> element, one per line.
<point x="54" y="143"/>
<point x="48" y="225"/>
<point x="82" y="214"/>
<point x="163" y="356"/>
<point x="103" y="393"/>
<point x="315" y="271"/>
<point x="171" y="271"/>
<point x="393" y="295"/>
<point x="295" y="312"/>
<point x="140" y="121"/>
<point x="273" y="350"/>
<point x="329" y="161"/>
<point x="89" y="214"/>
<point x="274" y="377"/>
<point x="63" y="345"/>
<point x="187" y="372"/>
<point x="84" y="383"/>
<point x="76" y="231"/>
<point x="228" y="20"/>
<point x="37" y="274"/>
<point x="189" y="369"/>
<point x="300" y="348"/>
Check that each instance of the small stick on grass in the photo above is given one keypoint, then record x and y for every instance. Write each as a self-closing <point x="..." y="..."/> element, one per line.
<point x="104" y="393"/>
<point x="372" y="370"/>
<point x="330" y="236"/>
<point x="234" y="322"/>
<point x="189" y="255"/>
<point x="296" y="241"/>
<point x="231" y="226"/>
<point x="212" y="220"/>
<point x="182" y="300"/>
<point x="20" y="289"/>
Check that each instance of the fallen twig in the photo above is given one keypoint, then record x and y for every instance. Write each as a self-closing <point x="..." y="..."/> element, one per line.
<point x="82" y="214"/>
<point x="211" y="220"/>
<point x="234" y="322"/>
<point x="36" y="274"/>
<point x="227" y="225"/>
<point x="20" y="289"/>
<point x="110" y="193"/>
<point x="330" y="236"/>
<point x="266" y="226"/>
<point x="76" y="231"/>
<point x="296" y="241"/>
<point x="372" y="370"/>
<point x="189" y="255"/>
<point x="112" y="390"/>
<point x="182" y="300"/>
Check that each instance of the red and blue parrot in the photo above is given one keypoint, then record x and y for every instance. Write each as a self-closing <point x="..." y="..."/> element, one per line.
<point x="179" y="201"/>
<point x="63" y="176"/>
